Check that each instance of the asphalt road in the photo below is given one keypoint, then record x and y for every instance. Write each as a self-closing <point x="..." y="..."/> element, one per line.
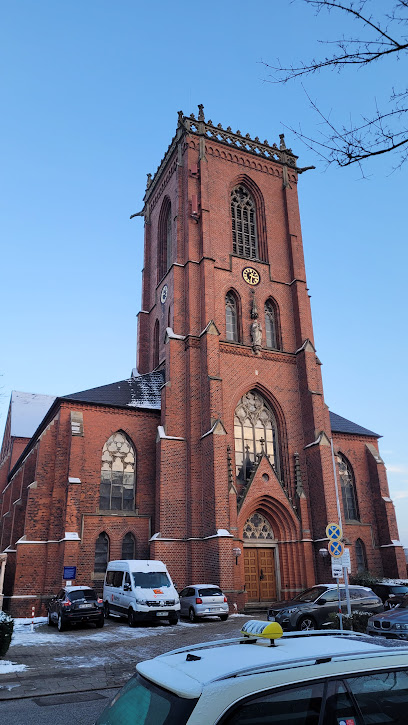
<point x="79" y="708"/>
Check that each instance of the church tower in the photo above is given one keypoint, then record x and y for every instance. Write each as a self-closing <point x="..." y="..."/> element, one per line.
<point x="244" y="470"/>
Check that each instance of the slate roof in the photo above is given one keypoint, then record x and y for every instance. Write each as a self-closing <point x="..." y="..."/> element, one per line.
<point x="342" y="425"/>
<point x="135" y="392"/>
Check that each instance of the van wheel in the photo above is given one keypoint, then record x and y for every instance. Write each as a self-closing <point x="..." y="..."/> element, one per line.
<point x="306" y="623"/>
<point x="106" y="609"/>
<point x="131" y="618"/>
<point x="191" y="615"/>
<point x="173" y="619"/>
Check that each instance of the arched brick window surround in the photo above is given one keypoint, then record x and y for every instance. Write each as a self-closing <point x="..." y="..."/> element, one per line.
<point x="156" y="344"/>
<point x="118" y="474"/>
<point x="251" y="186"/>
<point x="361" y="557"/>
<point x="164" y="240"/>
<point x="101" y="553"/>
<point x="272" y="325"/>
<point x="255" y="431"/>
<point x="348" y="488"/>
<point x="129" y="546"/>
<point x="232" y="316"/>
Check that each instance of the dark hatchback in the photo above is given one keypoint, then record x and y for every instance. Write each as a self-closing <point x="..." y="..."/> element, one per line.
<point x="74" y="605"/>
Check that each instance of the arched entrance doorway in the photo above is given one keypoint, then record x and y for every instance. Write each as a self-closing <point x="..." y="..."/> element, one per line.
<point x="260" y="560"/>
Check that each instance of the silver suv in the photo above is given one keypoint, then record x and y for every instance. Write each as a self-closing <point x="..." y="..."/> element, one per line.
<point x="307" y="678"/>
<point x="311" y="608"/>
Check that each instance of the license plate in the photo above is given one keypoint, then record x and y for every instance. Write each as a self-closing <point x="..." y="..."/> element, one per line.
<point x="161" y="614"/>
<point x="86" y="606"/>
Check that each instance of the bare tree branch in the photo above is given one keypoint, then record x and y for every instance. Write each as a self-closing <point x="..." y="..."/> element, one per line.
<point x="384" y="130"/>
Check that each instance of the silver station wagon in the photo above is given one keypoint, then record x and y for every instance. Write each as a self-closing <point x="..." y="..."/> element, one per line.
<point x="203" y="600"/>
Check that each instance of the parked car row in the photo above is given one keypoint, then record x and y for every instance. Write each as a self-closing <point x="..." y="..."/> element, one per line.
<point x="140" y="590"/>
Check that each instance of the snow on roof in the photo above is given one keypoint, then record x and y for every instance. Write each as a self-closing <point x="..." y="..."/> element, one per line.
<point x="216" y="661"/>
<point x="27" y="412"/>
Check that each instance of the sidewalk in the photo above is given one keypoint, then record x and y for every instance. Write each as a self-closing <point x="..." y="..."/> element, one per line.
<point x="46" y="661"/>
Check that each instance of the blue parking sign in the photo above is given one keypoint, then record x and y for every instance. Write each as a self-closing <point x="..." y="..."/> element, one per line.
<point x="69" y="572"/>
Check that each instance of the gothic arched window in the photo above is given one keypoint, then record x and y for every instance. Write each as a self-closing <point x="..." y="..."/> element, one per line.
<point x="255" y="431"/>
<point x="244" y="233"/>
<point x="101" y="552"/>
<point x="129" y="546"/>
<point x="117" y="489"/>
<point x="165" y="247"/>
<point x="258" y="527"/>
<point x="271" y="327"/>
<point x="361" y="558"/>
<point x="348" y="489"/>
<point x="156" y="344"/>
<point x="231" y="317"/>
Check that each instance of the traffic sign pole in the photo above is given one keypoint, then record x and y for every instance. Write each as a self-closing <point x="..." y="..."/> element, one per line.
<point x="345" y="573"/>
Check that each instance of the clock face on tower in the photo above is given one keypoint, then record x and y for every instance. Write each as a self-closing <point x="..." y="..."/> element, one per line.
<point x="163" y="294"/>
<point x="251" y="276"/>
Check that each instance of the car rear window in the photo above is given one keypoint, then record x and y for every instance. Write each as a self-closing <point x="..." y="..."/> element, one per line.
<point x="89" y="594"/>
<point x="210" y="592"/>
<point x="142" y="703"/>
<point x="398" y="589"/>
<point x="151" y="579"/>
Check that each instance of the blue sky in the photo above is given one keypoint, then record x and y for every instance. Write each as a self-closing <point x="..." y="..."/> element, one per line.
<point x="90" y="97"/>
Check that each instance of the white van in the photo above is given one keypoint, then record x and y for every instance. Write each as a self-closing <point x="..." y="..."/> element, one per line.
<point x="140" y="589"/>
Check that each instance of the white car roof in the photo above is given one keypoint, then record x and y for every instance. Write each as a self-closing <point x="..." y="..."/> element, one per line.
<point x="221" y="660"/>
<point x="137" y="565"/>
<point x="197" y="586"/>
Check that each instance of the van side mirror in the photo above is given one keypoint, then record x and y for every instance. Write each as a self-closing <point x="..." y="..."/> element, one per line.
<point x="127" y="588"/>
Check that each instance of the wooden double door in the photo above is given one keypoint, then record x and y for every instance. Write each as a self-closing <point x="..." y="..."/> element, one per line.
<point x="260" y="574"/>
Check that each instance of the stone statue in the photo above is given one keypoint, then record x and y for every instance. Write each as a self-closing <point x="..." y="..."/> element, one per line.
<point x="256" y="335"/>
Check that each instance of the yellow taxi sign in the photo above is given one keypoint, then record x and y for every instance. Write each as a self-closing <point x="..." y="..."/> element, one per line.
<point x="262" y="630"/>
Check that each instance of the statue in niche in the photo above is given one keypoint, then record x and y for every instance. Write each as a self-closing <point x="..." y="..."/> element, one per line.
<point x="256" y="327"/>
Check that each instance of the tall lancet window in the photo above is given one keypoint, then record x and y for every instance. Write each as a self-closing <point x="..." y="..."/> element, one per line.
<point x="255" y="431"/>
<point x="348" y="489"/>
<point x="118" y="479"/>
<point x="270" y="325"/>
<point x="164" y="245"/>
<point x="244" y="233"/>
<point x="231" y="317"/>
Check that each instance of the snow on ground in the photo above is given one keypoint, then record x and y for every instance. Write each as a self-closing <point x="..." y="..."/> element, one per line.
<point x="44" y="635"/>
<point x="7" y="666"/>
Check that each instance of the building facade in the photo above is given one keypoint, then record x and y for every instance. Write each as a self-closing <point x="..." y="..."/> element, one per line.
<point x="217" y="456"/>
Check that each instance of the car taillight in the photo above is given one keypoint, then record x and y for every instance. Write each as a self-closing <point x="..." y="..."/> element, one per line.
<point x="225" y="599"/>
<point x="100" y="601"/>
<point x="199" y="600"/>
<point x="67" y="603"/>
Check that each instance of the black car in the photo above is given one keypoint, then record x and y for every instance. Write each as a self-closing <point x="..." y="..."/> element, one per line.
<point x="390" y="594"/>
<point x="311" y="608"/>
<point x="75" y="604"/>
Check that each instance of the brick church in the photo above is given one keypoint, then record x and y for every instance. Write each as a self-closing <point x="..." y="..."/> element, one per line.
<point x="215" y="456"/>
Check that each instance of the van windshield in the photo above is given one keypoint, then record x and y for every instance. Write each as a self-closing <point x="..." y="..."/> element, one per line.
<point x="151" y="579"/>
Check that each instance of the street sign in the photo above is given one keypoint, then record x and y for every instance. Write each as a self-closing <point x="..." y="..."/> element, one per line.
<point x="334" y="532"/>
<point x="69" y="572"/>
<point x="345" y="560"/>
<point x="337" y="569"/>
<point x="335" y="548"/>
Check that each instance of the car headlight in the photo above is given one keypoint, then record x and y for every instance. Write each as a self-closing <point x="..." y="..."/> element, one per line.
<point x="141" y="601"/>
<point x="401" y="626"/>
<point x="290" y="610"/>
